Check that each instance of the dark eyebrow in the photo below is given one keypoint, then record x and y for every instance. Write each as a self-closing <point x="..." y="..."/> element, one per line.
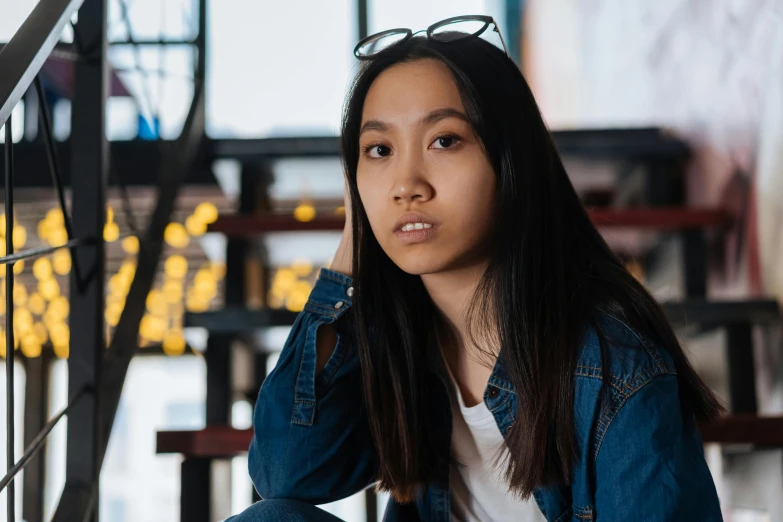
<point x="429" y="119"/>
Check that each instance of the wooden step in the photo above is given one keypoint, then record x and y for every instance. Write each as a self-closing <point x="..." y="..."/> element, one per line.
<point x="225" y="441"/>
<point x="745" y="429"/>
<point x="651" y="218"/>
<point x="210" y="442"/>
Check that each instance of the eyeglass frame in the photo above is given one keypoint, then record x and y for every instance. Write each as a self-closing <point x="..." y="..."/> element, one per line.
<point x="429" y="30"/>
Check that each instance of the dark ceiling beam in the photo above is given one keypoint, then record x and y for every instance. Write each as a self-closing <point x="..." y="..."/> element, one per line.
<point x="138" y="161"/>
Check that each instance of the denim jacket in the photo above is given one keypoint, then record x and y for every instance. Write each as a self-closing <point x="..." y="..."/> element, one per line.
<point x="637" y="459"/>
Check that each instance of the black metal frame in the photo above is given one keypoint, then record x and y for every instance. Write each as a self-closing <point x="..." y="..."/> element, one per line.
<point x="20" y="60"/>
<point x="93" y="401"/>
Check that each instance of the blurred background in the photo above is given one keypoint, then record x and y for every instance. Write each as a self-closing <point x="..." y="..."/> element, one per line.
<point x="201" y="137"/>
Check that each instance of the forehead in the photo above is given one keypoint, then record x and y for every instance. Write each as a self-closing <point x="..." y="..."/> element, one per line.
<point x="406" y="91"/>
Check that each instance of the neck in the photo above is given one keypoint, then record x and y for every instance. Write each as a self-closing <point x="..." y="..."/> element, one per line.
<point x="451" y="293"/>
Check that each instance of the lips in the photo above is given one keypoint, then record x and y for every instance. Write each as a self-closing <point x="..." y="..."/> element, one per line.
<point x="414" y="218"/>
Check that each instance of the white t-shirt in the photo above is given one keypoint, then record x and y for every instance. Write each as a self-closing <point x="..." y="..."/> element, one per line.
<point x="479" y="492"/>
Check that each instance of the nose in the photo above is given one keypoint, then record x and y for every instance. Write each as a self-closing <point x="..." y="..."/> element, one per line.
<point x="411" y="184"/>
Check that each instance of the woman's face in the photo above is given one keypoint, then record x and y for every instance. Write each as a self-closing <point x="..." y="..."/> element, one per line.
<point x="426" y="185"/>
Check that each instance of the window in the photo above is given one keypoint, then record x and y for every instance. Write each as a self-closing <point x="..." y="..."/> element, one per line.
<point x="19" y="385"/>
<point x="278" y="68"/>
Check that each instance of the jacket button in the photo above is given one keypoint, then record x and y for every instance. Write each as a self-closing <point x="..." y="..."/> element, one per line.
<point x="493" y="392"/>
<point x="349" y="292"/>
<point x="338" y="305"/>
<point x="508" y="430"/>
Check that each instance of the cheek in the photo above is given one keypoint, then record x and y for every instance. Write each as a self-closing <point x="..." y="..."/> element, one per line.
<point x="472" y="199"/>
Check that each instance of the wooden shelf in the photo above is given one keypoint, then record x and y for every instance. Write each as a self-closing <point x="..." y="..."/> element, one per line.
<point x="744" y="429"/>
<point x="211" y="442"/>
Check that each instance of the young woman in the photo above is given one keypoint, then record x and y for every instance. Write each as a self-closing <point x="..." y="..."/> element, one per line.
<point x="476" y="349"/>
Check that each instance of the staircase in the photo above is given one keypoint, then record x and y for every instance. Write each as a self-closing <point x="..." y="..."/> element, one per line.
<point x="640" y="210"/>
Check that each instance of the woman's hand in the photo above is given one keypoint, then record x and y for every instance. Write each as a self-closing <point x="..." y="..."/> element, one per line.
<point x="343" y="258"/>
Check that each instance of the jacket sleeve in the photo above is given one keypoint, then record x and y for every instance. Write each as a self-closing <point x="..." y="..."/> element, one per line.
<point x="311" y="441"/>
<point x="650" y="464"/>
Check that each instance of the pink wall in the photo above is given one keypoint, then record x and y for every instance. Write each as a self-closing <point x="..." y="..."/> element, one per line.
<point x="711" y="71"/>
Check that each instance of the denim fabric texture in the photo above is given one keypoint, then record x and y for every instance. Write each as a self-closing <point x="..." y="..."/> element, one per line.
<point x="637" y="461"/>
<point x="283" y="510"/>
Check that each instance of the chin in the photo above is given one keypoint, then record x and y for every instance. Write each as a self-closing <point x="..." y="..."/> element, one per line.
<point x="419" y="264"/>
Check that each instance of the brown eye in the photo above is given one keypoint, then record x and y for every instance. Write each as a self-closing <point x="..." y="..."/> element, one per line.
<point x="376" y="151"/>
<point x="445" y="142"/>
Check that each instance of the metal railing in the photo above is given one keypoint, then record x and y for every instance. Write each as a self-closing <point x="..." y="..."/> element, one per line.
<point x="21" y="60"/>
<point x="93" y="399"/>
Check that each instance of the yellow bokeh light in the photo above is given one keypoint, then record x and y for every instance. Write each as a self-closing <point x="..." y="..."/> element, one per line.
<point x="130" y="245"/>
<point x="20" y="295"/>
<point x="19" y="267"/>
<point x="57" y="236"/>
<point x="172" y="291"/>
<point x="204" y="277"/>
<point x="274" y="301"/>
<point x="2" y="346"/>
<point x="295" y="302"/>
<point x="195" y="226"/>
<point x="55" y="217"/>
<point x="302" y="267"/>
<point x="61" y="262"/>
<point x="278" y="293"/>
<point x="176" y="267"/>
<point x="111" y="232"/>
<point x="206" y="212"/>
<point x="49" y="288"/>
<point x="41" y="334"/>
<point x="2" y="225"/>
<point x="23" y="320"/>
<point x="218" y="269"/>
<point x="304" y="213"/>
<point x="114" y="298"/>
<point x="20" y="236"/>
<point x="173" y="343"/>
<point x="152" y="328"/>
<point x="59" y="333"/>
<point x="196" y="303"/>
<point x="127" y="270"/>
<point x="62" y="350"/>
<point x="109" y="214"/>
<point x="42" y="268"/>
<point x="2" y="271"/>
<point x="302" y="287"/>
<point x="112" y="314"/>
<point x="60" y="308"/>
<point x="339" y="211"/>
<point x="31" y="348"/>
<point x="43" y="229"/>
<point x="36" y="303"/>
<point x="117" y="285"/>
<point x="156" y="303"/>
<point x="175" y="235"/>
<point x="284" y="279"/>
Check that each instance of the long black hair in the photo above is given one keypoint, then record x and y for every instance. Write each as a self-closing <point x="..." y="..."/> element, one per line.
<point x="550" y="277"/>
